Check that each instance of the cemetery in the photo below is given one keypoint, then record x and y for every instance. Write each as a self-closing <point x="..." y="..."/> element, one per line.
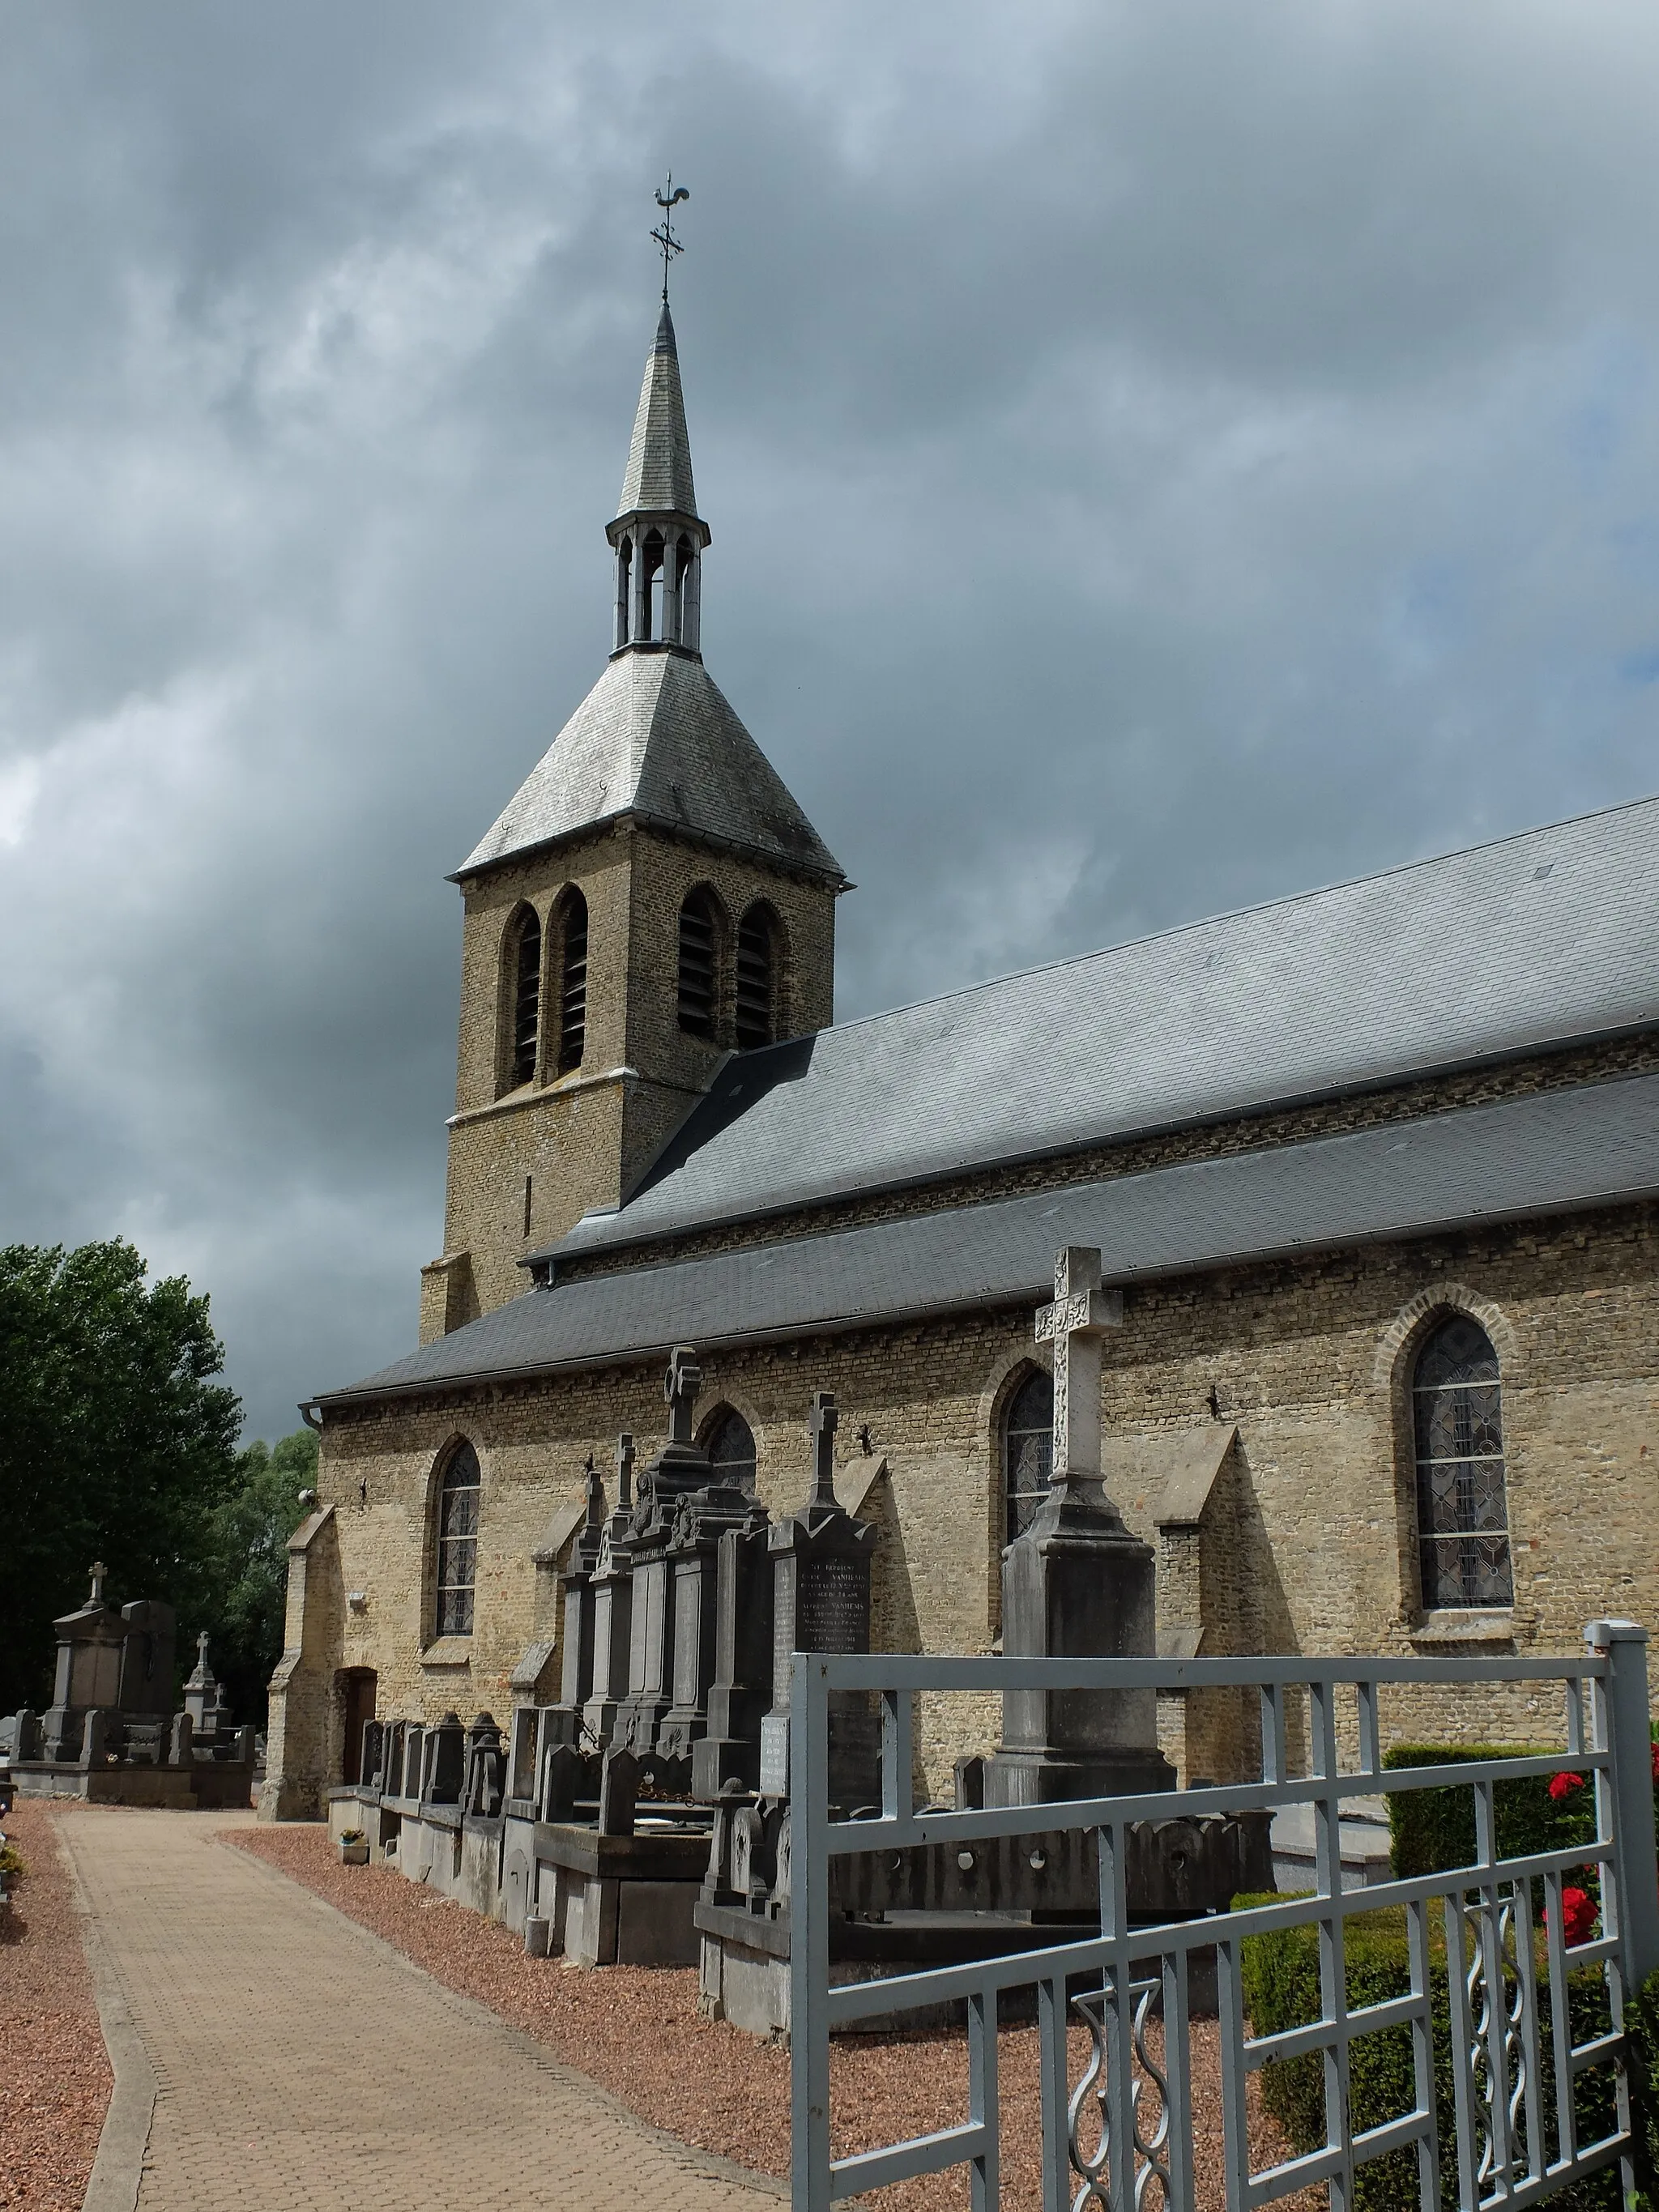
<point x="644" y="1817"/>
<point x="111" y="1736"/>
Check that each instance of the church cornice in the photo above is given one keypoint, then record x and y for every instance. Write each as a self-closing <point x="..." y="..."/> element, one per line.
<point x="660" y="825"/>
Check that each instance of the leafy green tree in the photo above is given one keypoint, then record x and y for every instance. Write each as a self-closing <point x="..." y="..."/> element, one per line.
<point x="115" y="1443"/>
<point x="243" y="1607"/>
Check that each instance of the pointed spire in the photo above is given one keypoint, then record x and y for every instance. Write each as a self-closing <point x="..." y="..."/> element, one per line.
<point x="657" y="480"/>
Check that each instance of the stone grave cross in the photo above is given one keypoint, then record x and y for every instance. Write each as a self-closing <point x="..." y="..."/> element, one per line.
<point x="1074" y="1324"/>
<point x="680" y="1388"/>
<point x="99" y="1571"/>
<point x="624" y="1473"/>
<point x="821" y="1427"/>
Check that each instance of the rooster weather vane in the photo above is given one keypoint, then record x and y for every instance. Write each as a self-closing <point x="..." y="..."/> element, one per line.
<point x="668" y="199"/>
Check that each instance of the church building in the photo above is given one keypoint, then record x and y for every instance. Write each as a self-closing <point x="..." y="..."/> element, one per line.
<point x="1373" y="1172"/>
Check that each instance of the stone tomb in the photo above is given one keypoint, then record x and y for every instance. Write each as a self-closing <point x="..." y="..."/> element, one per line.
<point x="111" y="1734"/>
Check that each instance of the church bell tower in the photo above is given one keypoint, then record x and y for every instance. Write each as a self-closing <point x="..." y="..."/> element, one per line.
<point x="651" y="900"/>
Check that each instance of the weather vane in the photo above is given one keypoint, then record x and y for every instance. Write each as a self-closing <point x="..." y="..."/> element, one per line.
<point x="668" y="199"/>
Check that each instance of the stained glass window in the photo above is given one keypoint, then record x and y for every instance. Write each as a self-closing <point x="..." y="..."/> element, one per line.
<point x="730" y="1446"/>
<point x="458" y="1541"/>
<point x="1028" y="1450"/>
<point x="1462" y="1516"/>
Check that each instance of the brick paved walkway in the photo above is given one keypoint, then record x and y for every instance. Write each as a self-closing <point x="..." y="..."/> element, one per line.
<point x="303" y="2065"/>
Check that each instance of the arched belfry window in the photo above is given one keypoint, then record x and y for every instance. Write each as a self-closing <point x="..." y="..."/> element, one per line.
<point x="698" y="942"/>
<point x="573" y="980"/>
<point x="457" y="1542"/>
<point x="1462" y="1515"/>
<point x="756" y="964"/>
<point x="525" y="957"/>
<point x="729" y="1444"/>
<point x="1028" y="1450"/>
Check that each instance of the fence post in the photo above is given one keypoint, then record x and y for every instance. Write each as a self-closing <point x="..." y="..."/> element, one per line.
<point x="809" y="1936"/>
<point x="1630" y="1741"/>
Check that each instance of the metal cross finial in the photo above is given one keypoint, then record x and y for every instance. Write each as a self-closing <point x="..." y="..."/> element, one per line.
<point x="99" y="1571"/>
<point x="821" y="1429"/>
<point x="668" y="200"/>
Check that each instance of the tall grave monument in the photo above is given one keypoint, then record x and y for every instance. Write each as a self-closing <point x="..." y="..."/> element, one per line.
<point x="1077" y="1584"/>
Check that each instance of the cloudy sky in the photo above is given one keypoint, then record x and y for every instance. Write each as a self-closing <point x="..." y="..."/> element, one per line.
<point x="1161" y="455"/>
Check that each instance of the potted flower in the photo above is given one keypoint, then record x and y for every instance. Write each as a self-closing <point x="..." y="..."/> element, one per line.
<point x="354" y="1847"/>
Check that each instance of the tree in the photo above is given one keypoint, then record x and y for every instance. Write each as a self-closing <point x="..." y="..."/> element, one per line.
<point x="115" y="1443"/>
<point x="246" y="1596"/>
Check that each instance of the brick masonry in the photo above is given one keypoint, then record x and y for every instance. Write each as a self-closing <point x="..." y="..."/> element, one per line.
<point x="1307" y="1541"/>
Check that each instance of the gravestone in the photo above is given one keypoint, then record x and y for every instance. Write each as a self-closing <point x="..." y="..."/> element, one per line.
<point x="146" y="1684"/>
<point x="444" y="1762"/>
<point x="90" y="1644"/>
<point x="705" y="1520"/>
<point x="561" y="1724"/>
<point x="612" y="1587"/>
<point x="1077" y="1584"/>
<point x="678" y="1470"/>
<point x="821" y="1603"/>
<point x="484" y="1787"/>
<point x="730" y="1751"/>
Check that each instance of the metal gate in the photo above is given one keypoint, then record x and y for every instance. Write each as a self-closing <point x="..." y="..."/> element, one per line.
<point x="1516" y="2135"/>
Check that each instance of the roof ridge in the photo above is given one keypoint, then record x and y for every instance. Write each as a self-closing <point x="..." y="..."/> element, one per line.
<point x="1238" y="913"/>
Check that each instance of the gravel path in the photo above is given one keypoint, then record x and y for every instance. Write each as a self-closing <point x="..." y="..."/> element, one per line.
<point x="635" y="2031"/>
<point x="54" y="2073"/>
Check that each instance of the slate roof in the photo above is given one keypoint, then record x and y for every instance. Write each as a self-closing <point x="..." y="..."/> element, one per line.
<point x="656" y="737"/>
<point x="1551" y="1152"/>
<point x="659" y="471"/>
<point x="1535" y="941"/>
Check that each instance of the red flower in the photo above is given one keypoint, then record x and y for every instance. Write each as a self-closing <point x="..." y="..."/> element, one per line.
<point x="1578" y="1915"/>
<point x="1563" y="1785"/>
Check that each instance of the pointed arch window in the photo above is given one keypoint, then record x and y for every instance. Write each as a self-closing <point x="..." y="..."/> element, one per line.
<point x="573" y="980"/>
<point x="526" y="972"/>
<point x="697" y="965"/>
<point x="731" y="1447"/>
<point x="756" y="965"/>
<point x="1028" y="1450"/>
<point x="1462" y="1510"/>
<point x="458" y="1541"/>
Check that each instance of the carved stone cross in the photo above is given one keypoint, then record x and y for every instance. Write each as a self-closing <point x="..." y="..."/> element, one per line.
<point x="624" y="1471"/>
<point x="821" y="1427"/>
<point x="1080" y="1317"/>
<point x="99" y="1571"/>
<point x="680" y="1388"/>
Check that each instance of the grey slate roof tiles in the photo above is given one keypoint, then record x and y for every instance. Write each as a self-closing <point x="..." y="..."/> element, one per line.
<point x="658" y="472"/>
<point x="1537" y="941"/>
<point x="656" y="736"/>
<point x="1551" y="1152"/>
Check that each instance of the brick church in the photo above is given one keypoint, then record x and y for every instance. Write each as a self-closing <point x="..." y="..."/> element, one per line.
<point x="1374" y="1170"/>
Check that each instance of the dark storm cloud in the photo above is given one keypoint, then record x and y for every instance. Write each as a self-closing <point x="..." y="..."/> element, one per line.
<point x="1159" y="457"/>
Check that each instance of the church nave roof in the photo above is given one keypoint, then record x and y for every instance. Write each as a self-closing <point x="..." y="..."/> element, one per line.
<point x="1535" y="942"/>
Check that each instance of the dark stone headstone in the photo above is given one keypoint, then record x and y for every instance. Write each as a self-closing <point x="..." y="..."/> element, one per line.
<point x="730" y="1751"/>
<point x="445" y="1752"/>
<point x="563" y="1722"/>
<point x="619" y="1789"/>
<point x="146" y="1689"/>
<point x="821" y="1603"/>
<point x="485" y="1786"/>
<point x="88" y="1671"/>
<point x="612" y="1586"/>
<point x="563" y="1773"/>
<point x="1077" y="1585"/>
<point x="678" y="1470"/>
<point x="181" y="1748"/>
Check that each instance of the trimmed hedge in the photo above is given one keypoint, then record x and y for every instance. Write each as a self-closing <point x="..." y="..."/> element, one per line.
<point x="1280" y="1973"/>
<point x="1431" y="1830"/>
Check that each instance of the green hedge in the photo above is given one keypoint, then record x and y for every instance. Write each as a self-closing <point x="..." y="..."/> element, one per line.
<point x="1432" y="1830"/>
<point x="1280" y="1974"/>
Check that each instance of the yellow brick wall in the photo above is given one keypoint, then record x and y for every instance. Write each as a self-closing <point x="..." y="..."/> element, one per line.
<point x="583" y="1138"/>
<point x="1309" y="1545"/>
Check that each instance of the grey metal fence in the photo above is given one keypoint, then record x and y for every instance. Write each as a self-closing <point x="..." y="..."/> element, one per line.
<point x="1121" y="2136"/>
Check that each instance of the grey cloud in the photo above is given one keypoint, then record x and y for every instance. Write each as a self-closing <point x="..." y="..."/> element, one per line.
<point x="1157" y="458"/>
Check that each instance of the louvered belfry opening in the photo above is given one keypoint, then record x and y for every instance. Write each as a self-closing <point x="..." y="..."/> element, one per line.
<point x="573" y="981"/>
<point x="527" y="999"/>
<point x="697" y="965"/>
<point x="756" y="936"/>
